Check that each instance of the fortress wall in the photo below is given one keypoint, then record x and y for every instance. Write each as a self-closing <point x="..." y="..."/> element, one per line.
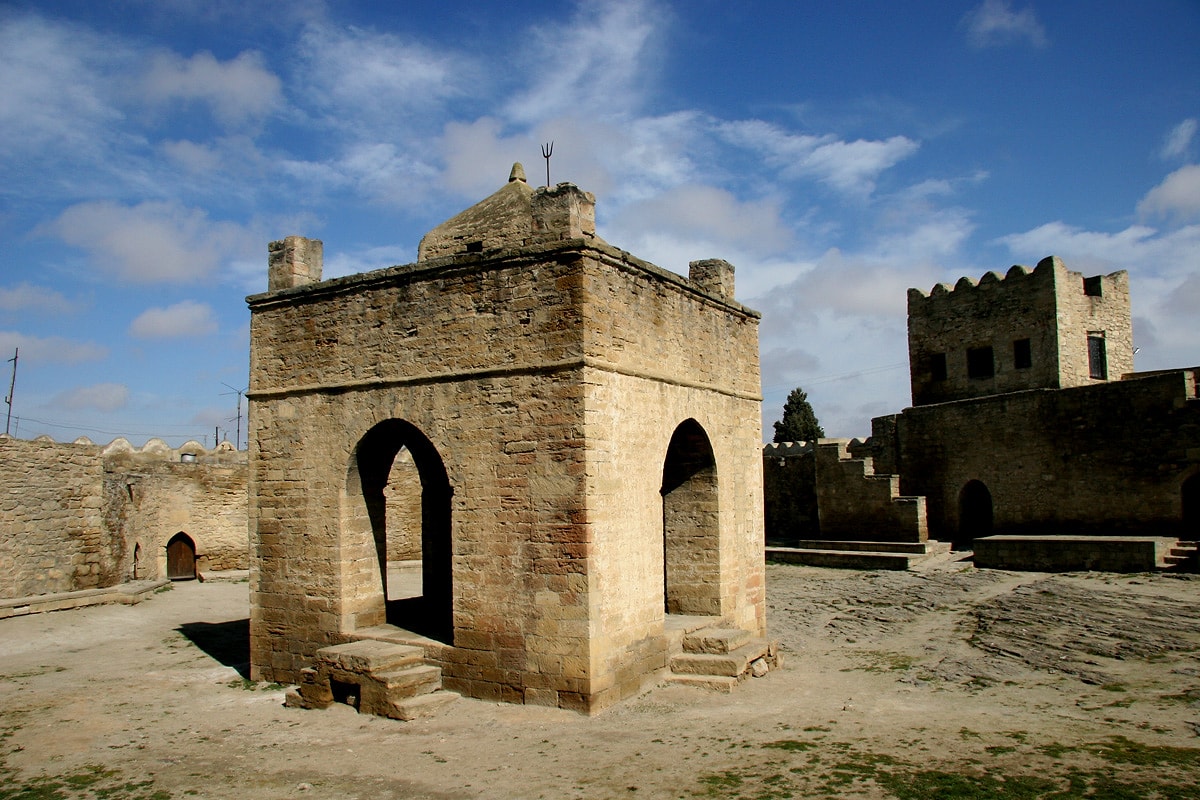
<point x="1096" y="460"/>
<point x="790" y="492"/>
<point x="52" y="531"/>
<point x="73" y="515"/>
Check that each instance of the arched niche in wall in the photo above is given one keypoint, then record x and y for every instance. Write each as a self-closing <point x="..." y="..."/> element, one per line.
<point x="691" y="524"/>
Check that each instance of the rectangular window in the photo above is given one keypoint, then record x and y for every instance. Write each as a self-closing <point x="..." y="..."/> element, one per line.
<point x="1097" y="357"/>
<point x="1022" y="354"/>
<point x="980" y="362"/>
<point x="937" y="367"/>
<point x="1093" y="287"/>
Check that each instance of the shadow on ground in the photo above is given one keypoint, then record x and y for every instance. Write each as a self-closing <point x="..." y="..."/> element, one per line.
<point x="227" y="642"/>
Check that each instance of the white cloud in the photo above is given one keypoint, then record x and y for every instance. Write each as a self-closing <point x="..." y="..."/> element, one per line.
<point x="185" y="318"/>
<point x="191" y="156"/>
<point x="1164" y="272"/>
<point x="1103" y="251"/>
<point x="27" y="297"/>
<point x="994" y="23"/>
<point x="848" y="167"/>
<point x="367" y="260"/>
<point x="1179" y="139"/>
<point x="695" y="213"/>
<point x="98" y="397"/>
<point x="153" y="241"/>
<point x="595" y="61"/>
<point x="54" y="85"/>
<point x="377" y="82"/>
<point x="1177" y="196"/>
<point x="238" y="90"/>
<point x="50" y="349"/>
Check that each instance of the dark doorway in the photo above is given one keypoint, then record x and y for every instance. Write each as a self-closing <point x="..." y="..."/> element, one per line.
<point x="387" y="459"/>
<point x="974" y="513"/>
<point x="181" y="558"/>
<point x="1190" y="492"/>
<point x="691" y="524"/>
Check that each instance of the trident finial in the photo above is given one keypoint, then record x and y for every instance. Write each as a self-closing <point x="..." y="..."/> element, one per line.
<point x="547" y="151"/>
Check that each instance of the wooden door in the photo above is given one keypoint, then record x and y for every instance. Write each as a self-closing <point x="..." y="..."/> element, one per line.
<point x="181" y="558"/>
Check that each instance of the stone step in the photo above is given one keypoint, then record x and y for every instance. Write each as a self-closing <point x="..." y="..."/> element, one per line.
<point x="422" y="705"/>
<point x="910" y="548"/>
<point x="715" y="640"/>
<point x="843" y="559"/>
<point x="368" y="655"/>
<point x="410" y="680"/>
<point x="732" y="664"/>
<point x="716" y="683"/>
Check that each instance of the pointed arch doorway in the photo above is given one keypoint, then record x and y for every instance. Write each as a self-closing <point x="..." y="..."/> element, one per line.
<point x="691" y="524"/>
<point x="181" y="558"/>
<point x="396" y="471"/>
<point x="974" y="513"/>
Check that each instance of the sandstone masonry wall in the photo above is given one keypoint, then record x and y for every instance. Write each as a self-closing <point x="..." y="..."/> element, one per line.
<point x="1093" y="460"/>
<point x="72" y="516"/>
<point x="548" y="380"/>
<point x="1044" y="315"/>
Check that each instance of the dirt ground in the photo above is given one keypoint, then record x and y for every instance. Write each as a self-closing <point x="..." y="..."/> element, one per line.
<point x="944" y="681"/>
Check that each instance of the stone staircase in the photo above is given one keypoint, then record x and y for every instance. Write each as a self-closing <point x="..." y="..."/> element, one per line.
<point x="856" y="555"/>
<point x="720" y="658"/>
<point x="1182" y="556"/>
<point x="374" y="677"/>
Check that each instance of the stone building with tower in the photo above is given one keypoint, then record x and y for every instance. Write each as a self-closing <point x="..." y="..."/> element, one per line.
<point x="1027" y="421"/>
<point x="565" y="436"/>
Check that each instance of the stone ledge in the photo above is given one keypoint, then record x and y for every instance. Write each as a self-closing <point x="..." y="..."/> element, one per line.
<point x="128" y="593"/>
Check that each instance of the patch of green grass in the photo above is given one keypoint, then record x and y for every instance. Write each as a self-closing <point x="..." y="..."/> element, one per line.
<point x="1055" y="750"/>
<point x="817" y="769"/>
<point x="250" y="686"/>
<point x="1119" y="750"/>
<point x="884" y="661"/>
<point x="166" y="587"/>
<point x="90" y="781"/>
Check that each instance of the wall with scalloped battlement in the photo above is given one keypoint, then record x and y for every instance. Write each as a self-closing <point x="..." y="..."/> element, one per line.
<point x="73" y="516"/>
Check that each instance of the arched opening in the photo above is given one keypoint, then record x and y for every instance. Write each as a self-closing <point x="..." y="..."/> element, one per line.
<point x="691" y="524"/>
<point x="181" y="558"/>
<point x="974" y="513"/>
<point x="1190" y="495"/>
<point x="404" y="520"/>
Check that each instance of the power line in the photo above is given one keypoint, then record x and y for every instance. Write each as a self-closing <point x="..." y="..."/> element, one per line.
<point x="830" y="378"/>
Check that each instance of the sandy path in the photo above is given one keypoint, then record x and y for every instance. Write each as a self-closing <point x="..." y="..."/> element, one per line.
<point x="897" y="684"/>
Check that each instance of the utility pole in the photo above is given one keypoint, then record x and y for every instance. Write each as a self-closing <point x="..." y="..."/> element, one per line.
<point x="11" y="385"/>
<point x="237" y="444"/>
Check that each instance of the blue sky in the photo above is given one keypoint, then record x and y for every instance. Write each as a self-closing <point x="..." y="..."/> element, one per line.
<point x="835" y="153"/>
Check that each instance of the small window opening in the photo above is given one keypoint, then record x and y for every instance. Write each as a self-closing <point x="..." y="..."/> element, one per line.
<point x="937" y="367"/>
<point x="1093" y="287"/>
<point x="980" y="362"/>
<point x="1097" y="357"/>
<point x="1022" y="354"/>
<point x="345" y="692"/>
<point x="475" y="247"/>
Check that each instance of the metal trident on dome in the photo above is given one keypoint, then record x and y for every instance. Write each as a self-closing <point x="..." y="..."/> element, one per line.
<point x="547" y="151"/>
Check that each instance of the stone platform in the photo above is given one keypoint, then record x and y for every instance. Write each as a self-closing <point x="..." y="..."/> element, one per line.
<point x="1084" y="553"/>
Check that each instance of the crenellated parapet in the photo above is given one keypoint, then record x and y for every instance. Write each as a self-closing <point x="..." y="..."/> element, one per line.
<point x="794" y="449"/>
<point x="1045" y="328"/>
<point x="154" y="449"/>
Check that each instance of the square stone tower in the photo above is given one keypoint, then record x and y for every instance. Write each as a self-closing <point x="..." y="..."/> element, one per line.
<point x="1048" y="328"/>
<point x="567" y="437"/>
